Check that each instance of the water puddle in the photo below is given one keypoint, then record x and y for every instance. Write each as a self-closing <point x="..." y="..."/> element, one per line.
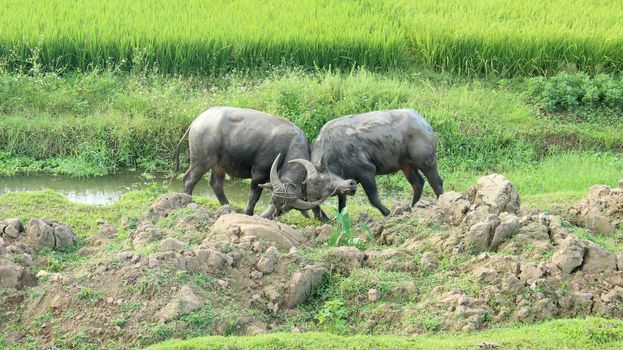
<point x="108" y="189"/>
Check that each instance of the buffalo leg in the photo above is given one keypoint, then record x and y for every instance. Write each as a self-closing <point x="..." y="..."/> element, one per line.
<point x="341" y="202"/>
<point x="434" y="179"/>
<point x="217" y="178"/>
<point x="192" y="176"/>
<point x="369" y="185"/>
<point x="320" y="214"/>
<point x="254" y="195"/>
<point x="416" y="181"/>
<point x="257" y="178"/>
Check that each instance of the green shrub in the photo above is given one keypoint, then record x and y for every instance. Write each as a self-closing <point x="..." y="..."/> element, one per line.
<point x="332" y="316"/>
<point x="566" y="92"/>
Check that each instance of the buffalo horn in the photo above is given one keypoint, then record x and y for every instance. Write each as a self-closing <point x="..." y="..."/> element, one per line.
<point x="309" y="166"/>
<point x="275" y="181"/>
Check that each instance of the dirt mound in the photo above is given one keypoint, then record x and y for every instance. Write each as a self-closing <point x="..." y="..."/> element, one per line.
<point x="46" y="233"/>
<point x="601" y="211"/>
<point x="466" y="261"/>
<point x="238" y="226"/>
<point x="526" y="267"/>
<point x="160" y="275"/>
<point x="167" y="203"/>
<point x="13" y="275"/>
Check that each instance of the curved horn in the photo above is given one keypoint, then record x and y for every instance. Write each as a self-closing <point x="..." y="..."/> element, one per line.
<point x="309" y="166"/>
<point x="304" y="205"/>
<point x="275" y="181"/>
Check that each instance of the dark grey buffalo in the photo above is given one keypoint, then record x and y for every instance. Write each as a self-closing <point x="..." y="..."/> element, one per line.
<point x="362" y="146"/>
<point x="246" y="143"/>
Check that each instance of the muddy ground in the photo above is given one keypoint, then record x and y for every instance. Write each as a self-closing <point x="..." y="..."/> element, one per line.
<point x="464" y="262"/>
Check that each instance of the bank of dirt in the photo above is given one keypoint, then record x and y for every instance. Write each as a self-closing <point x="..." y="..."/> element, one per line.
<point x="467" y="261"/>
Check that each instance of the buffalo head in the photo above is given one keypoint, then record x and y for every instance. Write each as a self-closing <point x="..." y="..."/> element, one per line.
<point x="318" y="187"/>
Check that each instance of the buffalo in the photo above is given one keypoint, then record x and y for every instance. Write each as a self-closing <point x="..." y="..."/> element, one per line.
<point x="362" y="146"/>
<point x="271" y="151"/>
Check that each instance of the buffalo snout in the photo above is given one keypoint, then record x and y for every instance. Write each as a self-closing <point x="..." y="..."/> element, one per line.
<point x="348" y="187"/>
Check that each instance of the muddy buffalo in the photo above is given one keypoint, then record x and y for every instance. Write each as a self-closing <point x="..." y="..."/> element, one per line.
<point x="362" y="146"/>
<point x="245" y="143"/>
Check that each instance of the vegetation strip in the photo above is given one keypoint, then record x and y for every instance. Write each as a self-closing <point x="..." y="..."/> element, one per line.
<point x="589" y="333"/>
<point x="193" y="36"/>
<point x="101" y="122"/>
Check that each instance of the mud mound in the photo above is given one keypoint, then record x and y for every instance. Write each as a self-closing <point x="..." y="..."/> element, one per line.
<point x="167" y="203"/>
<point x="46" y="233"/>
<point x="526" y="267"/>
<point x="467" y="261"/>
<point x="238" y="226"/>
<point x="601" y="211"/>
<point x="159" y="275"/>
<point x="17" y="248"/>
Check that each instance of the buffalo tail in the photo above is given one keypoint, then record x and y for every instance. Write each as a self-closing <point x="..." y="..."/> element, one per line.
<point x="177" y="150"/>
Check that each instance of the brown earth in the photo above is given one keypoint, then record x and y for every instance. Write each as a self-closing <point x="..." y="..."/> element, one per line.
<point x="466" y="261"/>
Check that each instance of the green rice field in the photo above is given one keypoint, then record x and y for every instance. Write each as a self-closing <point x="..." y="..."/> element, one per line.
<point x="212" y="37"/>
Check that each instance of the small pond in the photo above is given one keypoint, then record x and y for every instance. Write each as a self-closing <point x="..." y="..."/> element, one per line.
<point x="108" y="189"/>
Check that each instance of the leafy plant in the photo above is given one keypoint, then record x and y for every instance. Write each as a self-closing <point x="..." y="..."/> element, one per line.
<point x="344" y="234"/>
<point x="89" y="295"/>
<point x="120" y="322"/>
<point x="54" y="264"/>
<point x="40" y="320"/>
<point x="161" y="332"/>
<point x="333" y="315"/>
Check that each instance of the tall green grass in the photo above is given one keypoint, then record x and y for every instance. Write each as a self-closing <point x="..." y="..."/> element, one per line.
<point x="114" y="121"/>
<point x="507" y="37"/>
<point x="193" y="36"/>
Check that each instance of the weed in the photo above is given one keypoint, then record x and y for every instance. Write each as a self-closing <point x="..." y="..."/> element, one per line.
<point x="40" y="320"/>
<point x="200" y="321"/>
<point x="566" y="92"/>
<point x="345" y="234"/>
<point x="54" y="265"/>
<point x="114" y="246"/>
<point x="149" y="283"/>
<point x="161" y="332"/>
<point x="333" y="315"/>
<point x="120" y="322"/>
<point x="89" y="295"/>
<point x="132" y="306"/>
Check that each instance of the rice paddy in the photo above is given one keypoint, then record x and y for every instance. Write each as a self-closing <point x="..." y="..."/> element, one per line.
<point x="212" y="37"/>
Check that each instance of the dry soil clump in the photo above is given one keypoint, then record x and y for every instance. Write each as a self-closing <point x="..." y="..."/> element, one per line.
<point x="463" y="262"/>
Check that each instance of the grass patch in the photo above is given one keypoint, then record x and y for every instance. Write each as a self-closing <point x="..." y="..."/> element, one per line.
<point x="590" y="333"/>
<point x="612" y="241"/>
<point x="134" y="122"/>
<point x="89" y="295"/>
<point x="82" y="218"/>
<point x="542" y="184"/>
